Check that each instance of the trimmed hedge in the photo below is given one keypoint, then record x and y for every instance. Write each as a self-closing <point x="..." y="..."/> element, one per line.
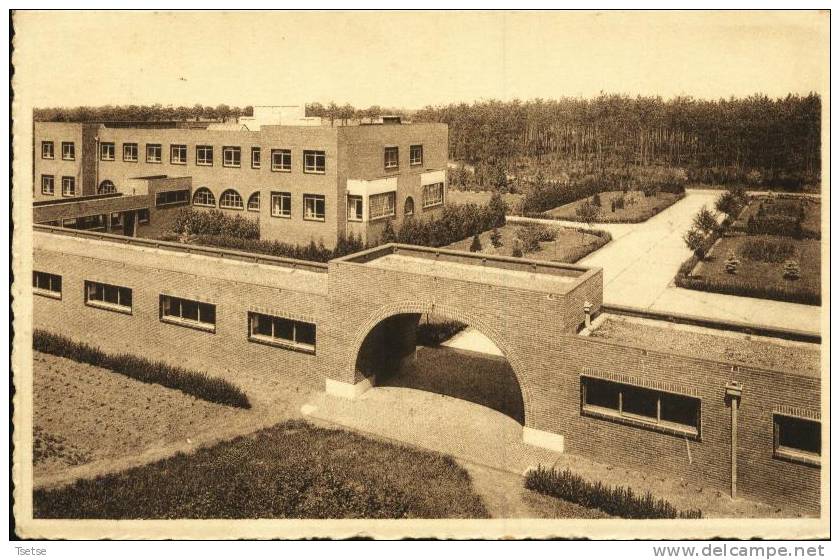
<point x="214" y="222"/>
<point x="197" y="384"/>
<point x="614" y="500"/>
<point x="749" y="289"/>
<point x="604" y="218"/>
<point x="311" y="252"/>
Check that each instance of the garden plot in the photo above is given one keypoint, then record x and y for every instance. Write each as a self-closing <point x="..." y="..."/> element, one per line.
<point x="617" y="207"/>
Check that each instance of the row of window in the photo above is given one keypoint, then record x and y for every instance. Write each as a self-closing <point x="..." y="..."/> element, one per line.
<point x="68" y="150"/>
<point x="262" y="328"/>
<point x="392" y="156"/>
<point x="68" y="185"/>
<point x="794" y="439"/>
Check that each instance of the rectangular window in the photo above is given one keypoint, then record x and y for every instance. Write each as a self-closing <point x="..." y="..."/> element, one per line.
<point x="47" y="185"/>
<point x="382" y="205"/>
<point x="143" y="216"/>
<point x="178" y="154"/>
<point x="797" y="439"/>
<point x="281" y="160"/>
<point x="355" y="208"/>
<point x="187" y="312"/>
<point x="231" y="156"/>
<point x="107" y="151"/>
<point x="640" y="406"/>
<point x="68" y="150"/>
<point x="415" y="155"/>
<point x="314" y="161"/>
<point x="432" y="195"/>
<point x="46" y="284"/>
<point x="278" y="331"/>
<point x="130" y="152"/>
<point x="107" y="296"/>
<point x="204" y="155"/>
<point x="154" y="153"/>
<point x="392" y="157"/>
<point x="255" y="158"/>
<point x="68" y="186"/>
<point x="47" y="150"/>
<point x="314" y="207"/>
<point x="172" y="197"/>
<point x="281" y="204"/>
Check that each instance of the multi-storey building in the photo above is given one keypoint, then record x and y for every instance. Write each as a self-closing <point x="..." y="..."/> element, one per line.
<point x="302" y="181"/>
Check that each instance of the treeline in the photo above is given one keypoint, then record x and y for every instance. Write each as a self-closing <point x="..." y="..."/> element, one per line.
<point x="140" y="113"/>
<point x="755" y="139"/>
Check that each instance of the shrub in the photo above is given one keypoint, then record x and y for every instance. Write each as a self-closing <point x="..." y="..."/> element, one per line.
<point x="517" y="249"/>
<point x="596" y="200"/>
<point x="767" y="249"/>
<point x="433" y="334"/>
<point x="705" y="221"/>
<point x="197" y="384"/>
<point x="530" y="236"/>
<point x="587" y="212"/>
<point x="747" y="288"/>
<point x="475" y="246"/>
<point x="388" y="235"/>
<point x="731" y="264"/>
<point x="695" y="240"/>
<point x="311" y="252"/>
<point x="614" y="500"/>
<point x="791" y="270"/>
<point x="619" y="202"/>
<point x="496" y="238"/>
<point x="214" y="222"/>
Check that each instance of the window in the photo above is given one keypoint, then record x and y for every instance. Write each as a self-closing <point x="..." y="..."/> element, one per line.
<point x="277" y="331"/>
<point x="382" y="205"/>
<point x="47" y="150"/>
<point x="172" y="197"/>
<point x="178" y="154"/>
<point x="47" y="185"/>
<point x="143" y="216"/>
<point x="188" y="313"/>
<point x="107" y="296"/>
<point x="409" y="206"/>
<point x="116" y="219"/>
<point x="254" y="202"/>
<point x="68" y="150"/>
<point x="106" y="187"/>
<point x="153" y="153"/>
<point x="255" y="158"/>
<point x="68" y="186"/>
<point x="203" y="197"/>
<point x="231" y="200"/>
<point x="639" y="406"/>
<point x="46" y="284"/>
<point x="313" y="207"/>
<point x="355" y="208"/>
<point x="107" y="151"/>
<point x="204" y="155"/>
<point x="432" y="195"/>
<point x="392" y="158"/>
<point x="415" y="155"/>
<point x="130" y="152"/>
<point x="281" y="160"/>
<point x="281" y="204"/>
<point x="314" y="161"/>
<point x="231" y="156"/>
<point x="797" y="439"/>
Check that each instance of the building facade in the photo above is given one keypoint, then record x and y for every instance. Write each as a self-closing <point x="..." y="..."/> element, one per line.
<point x="303" y="182"/>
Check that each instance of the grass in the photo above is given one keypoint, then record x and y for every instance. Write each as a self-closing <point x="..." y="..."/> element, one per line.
<point x="195" y="383"/>
<point x="513" y="201"/>
<point x="292" y="470"/>
<point x="637" y="207"/>
<point x="811" y="223"/>
<point x="614" y="500"/>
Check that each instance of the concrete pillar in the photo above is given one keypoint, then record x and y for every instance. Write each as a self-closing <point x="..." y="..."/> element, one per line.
<point x="733" y="393"/>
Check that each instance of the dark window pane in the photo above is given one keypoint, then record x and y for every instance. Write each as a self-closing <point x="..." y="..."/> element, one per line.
<point x="283" y="329"/>
<point x="305" y="333"/>
<point x="601" y="393"/>
<point x="641" y="402"/>
<point x="261" y="324"/>
<point x="125" y="297"/>
<point x="110" y="294"/>
<point x="799" y="434"/>
<point x="189" y="310"/>
<point x="208" y="313"/>
<point x="679" y="409"/>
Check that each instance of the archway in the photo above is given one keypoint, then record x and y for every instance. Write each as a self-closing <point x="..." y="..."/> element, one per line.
<point x="409" y="206"/>
<point x="386" y="353"/>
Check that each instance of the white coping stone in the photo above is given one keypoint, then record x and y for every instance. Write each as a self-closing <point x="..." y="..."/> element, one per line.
<point x="546" y="440"/>
<point x="348" y="390"/>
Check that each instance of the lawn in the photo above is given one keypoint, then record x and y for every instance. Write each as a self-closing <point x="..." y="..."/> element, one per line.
<point x="811" y="223"/>
<point x="292" y="470"/>
<point x="569" y="246"/>
<point x="637" y="207"/>
<point x="513" y="201"/>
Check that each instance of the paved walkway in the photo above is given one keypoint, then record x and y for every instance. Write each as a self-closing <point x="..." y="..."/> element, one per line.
<point x="642" y="259"/>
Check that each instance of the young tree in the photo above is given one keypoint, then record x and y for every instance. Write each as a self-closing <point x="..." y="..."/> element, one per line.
<point x="705" y="221"/>
<point x="694" y="240"/>
<point x="496" y="238"/>
<point x="475" y="247"/>
<point x="517" y="249"/>
<point x="388" y="234"/>
<point x="587" y="213"/>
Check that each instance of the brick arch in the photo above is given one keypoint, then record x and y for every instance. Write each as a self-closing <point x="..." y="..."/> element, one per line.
<point x="449" y="312"/>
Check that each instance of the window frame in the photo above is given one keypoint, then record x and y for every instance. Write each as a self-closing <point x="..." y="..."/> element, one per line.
<point x="203" y="160"/>
<point x="149" y="148"/>
<point x="281" y="342"/>
<point x="103" y="146"/>
<point x="282" y="168"/>
<point x="179" y="319"/>
<point x="232" y="192"/>
<point x="394" y="162"/>
<point x="72" y="151"/>
<point x="179" y="148"/>
<point x="112" y="190"/>
<point x="63" y="190"/>
<point x="203" y="204"/>
<point x="317" y="154"/>
<point x="412" y="162"/>
<point x="442" y="195"/>
<point x="256" y="163"/>
<point x="282" y="195"/>
<point x="315" y="198"/>
<point x="52" y="185"/>
<point x="44" y="144"/>
<point x="794" y="454"/>
<point x="48" y="291"/>
<point x="254" y="196"/>
<point x="105" y="304"/>
<point x="392" y="195"/>
<point x="356" y="200"/>
<point x="232" y="150"/>
<point x="136" y="152"/>
<point x="165" y="194"/>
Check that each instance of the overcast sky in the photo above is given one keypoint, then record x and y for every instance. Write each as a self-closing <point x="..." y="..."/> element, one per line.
<point x="411" y="60"/>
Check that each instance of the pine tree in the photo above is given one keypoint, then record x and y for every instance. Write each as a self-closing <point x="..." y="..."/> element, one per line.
<point x="475" y="247"/>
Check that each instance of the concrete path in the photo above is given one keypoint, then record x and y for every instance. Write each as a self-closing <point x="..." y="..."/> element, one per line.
<point x="640" y="263"/>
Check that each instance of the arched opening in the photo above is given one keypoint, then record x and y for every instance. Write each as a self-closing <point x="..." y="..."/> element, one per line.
<point x="254" y="202"/>
<point x="410" y="350"/>
<point x="106" y="187"/>
<point x="203" y="197"/>
<point x="409" y="206"/>
<point x="231" y="200"/>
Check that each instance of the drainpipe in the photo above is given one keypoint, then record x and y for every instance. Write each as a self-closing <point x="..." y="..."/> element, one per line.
<point x="587" y="309"/>
<point x="733" y="394"/>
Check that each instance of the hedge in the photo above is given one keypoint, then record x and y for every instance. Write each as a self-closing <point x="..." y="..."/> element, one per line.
<point x="197" y="384"/>
<point x="214" y="222"/>
<point x="613" y="500"/>
<point x="749" y="289"/>
<point x="604" y="218"/>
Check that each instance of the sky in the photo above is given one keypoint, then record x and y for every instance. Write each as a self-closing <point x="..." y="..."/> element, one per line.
<point x="410" y="60"/>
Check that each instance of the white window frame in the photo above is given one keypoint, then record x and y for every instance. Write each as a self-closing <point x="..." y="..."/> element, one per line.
<point x="44" y="151"/>
<point x="121" y="305"/>
<point x="150" y="150"/>
<point x="204" y="155"/>
<point x="256" y="162"/>
<point x="166" y="315"/>
<point x="391" y="163"/>
<point x="253" y="196"/>
<point x="411" y="152"/>
<point x="355" y="208"/>
<point x="127" y="148"/>
<point x="68" y="151"/>
<point x="284" y="164"/>
<point x="235" y="159"/>
<point x="179" y="150"/>
<point x="793" y="453"/>
<point x="315" y="162"/>
<point x="389" y="210"/>
<point x="313" y="200"/>
<point x="67" y="180"/>
<point x="202" y="190"/>
<point x="44" y="284"/>
<point x="48" y="179"/>
<point x="281" y="196"/>
<point x="427" y="203"/>
<point x="278" y="341"/>
<point x="236" y="196"/>
<point x="107" y="151"/>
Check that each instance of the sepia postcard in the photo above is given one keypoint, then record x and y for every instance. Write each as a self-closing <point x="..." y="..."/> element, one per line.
<point x="420" y="274"/>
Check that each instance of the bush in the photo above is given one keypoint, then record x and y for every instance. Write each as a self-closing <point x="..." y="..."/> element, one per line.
<point x="311" y="252"/>
<point x="517" y="249"/>
<point x="775" y="225"/>
<point x="767" y="249"/>
<point x="613" y="500"/>
<point x="456" y="222"/>
<point x="197" y="384"/>
<point x="705" y="221"/>
<point x="747" y="288"/>
<point x="596" y="200"/>
<point x="214" y="222"/>
<point x="530" y="236"/>
<point x="696" y="241"/>
<point x="496" y="238"/>
<point x="433" y="334"/>
<point x="791" y="270"/>
<point x="475" y="246"/>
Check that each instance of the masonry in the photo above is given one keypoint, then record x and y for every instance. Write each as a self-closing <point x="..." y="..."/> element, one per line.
<point x="266" y="320"/>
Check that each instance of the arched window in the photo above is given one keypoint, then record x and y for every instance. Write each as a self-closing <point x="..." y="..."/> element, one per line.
<point x="106" y="187"/>
<point x="254" y="202"/>
<point x="231" y="200"/>
<point x="409" y="206"/>
<point x="203" y="197"/>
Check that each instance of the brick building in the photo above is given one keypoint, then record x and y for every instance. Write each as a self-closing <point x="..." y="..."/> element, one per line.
<point x="261" y="321"/>
<point x="302" y="181"/>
